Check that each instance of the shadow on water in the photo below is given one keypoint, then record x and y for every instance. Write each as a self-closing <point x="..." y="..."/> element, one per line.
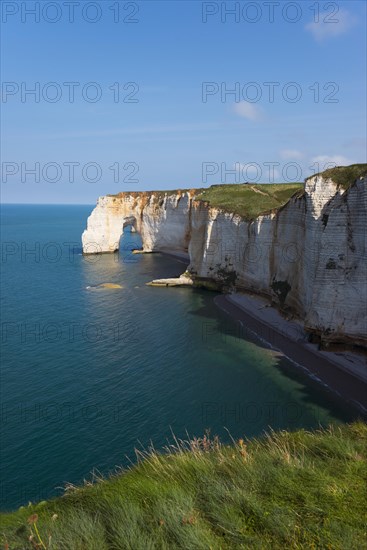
<point x="125" y="364"/>
<point x="310" y="391"/>
<point x="276" y="378"/>
<point x="130" y="240"/>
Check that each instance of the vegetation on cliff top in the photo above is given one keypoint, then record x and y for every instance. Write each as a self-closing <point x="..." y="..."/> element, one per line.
<point x="244" y="199"/>
<point x="161" y="193"/>
<point x="345" y="175"/>
<point x="249" y="201"/>
<point x="286" y="490"/>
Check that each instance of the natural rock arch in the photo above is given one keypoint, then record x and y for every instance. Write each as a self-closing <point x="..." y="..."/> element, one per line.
<point x="129" y="221"/>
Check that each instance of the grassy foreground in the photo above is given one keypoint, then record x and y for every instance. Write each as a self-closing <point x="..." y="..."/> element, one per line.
<point x="286" y="490"/>
<point x="249" y="200"/>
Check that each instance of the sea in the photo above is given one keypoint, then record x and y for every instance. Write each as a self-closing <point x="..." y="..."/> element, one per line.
<point x="91" y="376"/>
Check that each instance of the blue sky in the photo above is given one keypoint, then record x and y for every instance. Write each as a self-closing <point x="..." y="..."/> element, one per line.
<point x="171" y="136"/>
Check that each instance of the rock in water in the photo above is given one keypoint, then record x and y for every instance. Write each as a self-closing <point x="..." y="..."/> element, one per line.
<point x="104" y="285"/>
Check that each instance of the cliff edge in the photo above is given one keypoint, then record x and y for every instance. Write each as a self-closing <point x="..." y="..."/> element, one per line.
<point x="304" y="247"/>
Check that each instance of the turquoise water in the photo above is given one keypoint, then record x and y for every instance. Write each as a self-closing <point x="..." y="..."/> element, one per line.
<point x="90" y="374"/>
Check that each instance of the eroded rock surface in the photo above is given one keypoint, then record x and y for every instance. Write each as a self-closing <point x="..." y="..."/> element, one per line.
<point x="309" y="256"/>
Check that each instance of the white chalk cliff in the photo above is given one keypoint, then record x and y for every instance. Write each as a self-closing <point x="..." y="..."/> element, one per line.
<point x="309" y="256"/>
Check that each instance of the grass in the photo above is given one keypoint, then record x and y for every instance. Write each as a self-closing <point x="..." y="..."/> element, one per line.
<point x="158" y="193"/>
<point x="246" y="200"/>
<point x="345" y="175"/>
<point x="249" y="201"/>
<point x="286" y="490"/>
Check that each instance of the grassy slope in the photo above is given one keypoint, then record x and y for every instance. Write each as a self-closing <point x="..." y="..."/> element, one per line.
<point x="246" y="200"/>
<point x="249" y="200"/>
<point x="288" y="490"/>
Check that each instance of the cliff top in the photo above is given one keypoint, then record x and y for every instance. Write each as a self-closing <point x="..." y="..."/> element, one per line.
<point x="344" y="176"/>
<point x="158" y="193"/>
<point x="252" y="200"/>
<point x="249" y="201"/>
<point x="246" y="200"/>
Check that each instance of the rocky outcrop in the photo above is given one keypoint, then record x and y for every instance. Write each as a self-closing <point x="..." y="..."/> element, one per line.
<point x="309" y="257"/>
<point x="163" y="221"/>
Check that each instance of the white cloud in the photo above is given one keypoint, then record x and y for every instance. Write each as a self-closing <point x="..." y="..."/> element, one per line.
<point x="248" y="110"/>
<point x="328" y="161"/>
<point x="291" y="154"/>
<point x="331" y="25"/>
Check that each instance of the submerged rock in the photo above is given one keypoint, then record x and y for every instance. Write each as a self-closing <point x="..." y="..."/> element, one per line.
<point x="103" y="286"/>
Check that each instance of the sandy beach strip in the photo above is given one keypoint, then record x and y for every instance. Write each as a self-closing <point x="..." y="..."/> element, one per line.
<point x="344" y="374"/>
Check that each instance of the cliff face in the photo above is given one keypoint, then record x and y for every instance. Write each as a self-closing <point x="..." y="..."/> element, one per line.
<point x="162" y="220"/>
<point x="309" y="256"/>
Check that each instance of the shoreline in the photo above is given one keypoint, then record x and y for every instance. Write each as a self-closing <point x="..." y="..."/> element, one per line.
<point x="178" y="254"/>
<point x="343" y="374"/>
